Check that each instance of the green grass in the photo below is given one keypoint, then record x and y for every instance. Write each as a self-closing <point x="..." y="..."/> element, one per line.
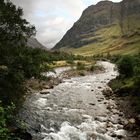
<point x="110" y="40"/>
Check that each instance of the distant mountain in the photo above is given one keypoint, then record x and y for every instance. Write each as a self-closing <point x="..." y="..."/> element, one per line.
<point x="34" y="43"/>
<point x="105" y="27"/>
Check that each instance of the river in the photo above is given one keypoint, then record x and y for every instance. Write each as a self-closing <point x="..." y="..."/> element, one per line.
<point x="76" y="109"/>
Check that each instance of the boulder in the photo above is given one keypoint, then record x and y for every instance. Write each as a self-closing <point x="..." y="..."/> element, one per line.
<point x="101" y="119"/>
<point x="132" y="121"/>
<point x="108" y="91"/>
<point x="120" y="133"/>
<point x="46" y="87"/>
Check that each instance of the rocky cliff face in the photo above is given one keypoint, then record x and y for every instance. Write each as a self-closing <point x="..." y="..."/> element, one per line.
<point x="96" y="17"/>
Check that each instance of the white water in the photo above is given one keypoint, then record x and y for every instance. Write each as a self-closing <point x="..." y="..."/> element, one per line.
<point x="56" y="72"/>
<point x="75" y="110"/>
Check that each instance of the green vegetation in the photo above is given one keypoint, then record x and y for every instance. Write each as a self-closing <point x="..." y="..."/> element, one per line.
<point x="92" y="68"/>
<point x="71" y="61"/>
<point x="5" y="116"/>
<point x="80" y="66"/>
<point x="127" y="84"/>
<point x="110" y="40"/>
<point x="119" y="34"/>
<point x="19" y="63"/>
<point x="125" y="66"/>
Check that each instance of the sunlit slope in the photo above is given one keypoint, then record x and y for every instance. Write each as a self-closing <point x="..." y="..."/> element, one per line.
<point x="110" y="40"/>
<point x="105" y="28"/>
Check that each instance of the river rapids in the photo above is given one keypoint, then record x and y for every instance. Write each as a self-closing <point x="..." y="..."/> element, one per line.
<point x="76" y="109"/>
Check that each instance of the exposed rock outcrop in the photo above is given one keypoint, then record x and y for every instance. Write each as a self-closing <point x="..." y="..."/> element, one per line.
<point x="99" y="16"/>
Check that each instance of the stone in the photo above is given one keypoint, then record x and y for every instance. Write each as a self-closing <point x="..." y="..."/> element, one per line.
<point x="121" y="114"/>
<point x="115" y="111"/>
<point x="121" y="121"/>
<point x="114" y="119"/>
<point x="101" y="130"/>
<point x="85" y="117"/>
<point x="101" y="119"/>
<point x="46" y="87"/>
<point x="119" y="126"/>
<point x="109" y="124"/>
<point x="108" y="91"/>
<point x="126" y="122"/>
<point x="49" y="108"/>
<point x="132" y="121"/>
<point x="120" y="133"/>
<point x="42" y="128"/>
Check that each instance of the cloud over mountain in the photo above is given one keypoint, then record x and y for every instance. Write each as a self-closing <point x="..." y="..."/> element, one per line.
<point x="52" y="18"/>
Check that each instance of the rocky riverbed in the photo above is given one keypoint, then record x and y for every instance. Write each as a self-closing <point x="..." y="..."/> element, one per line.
<point x="76" y="109"/>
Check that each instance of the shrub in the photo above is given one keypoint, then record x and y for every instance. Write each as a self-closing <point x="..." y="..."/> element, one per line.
<point x="70" y="61"/>
<point x="5" y="118"/>
<point x="80" y="66"/>
<point x="92" y="68"/>
<point x="137" y="85"/>
<point x="125" y="66"/>
<point x="81" y="73"/>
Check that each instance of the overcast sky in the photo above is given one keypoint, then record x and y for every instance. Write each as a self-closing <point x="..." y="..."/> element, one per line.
<point x="53" y="18"/>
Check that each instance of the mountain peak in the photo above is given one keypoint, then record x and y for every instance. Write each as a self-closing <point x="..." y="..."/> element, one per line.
<point x="34" y="43"/>
<point x="104" y="2"/>
<point x="105" y="19"/>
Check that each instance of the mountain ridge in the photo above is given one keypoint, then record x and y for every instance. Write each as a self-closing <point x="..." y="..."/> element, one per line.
<point x="34" y="43"/>
<point x="102" y="16"/>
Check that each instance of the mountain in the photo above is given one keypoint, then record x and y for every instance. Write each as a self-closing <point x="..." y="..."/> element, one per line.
<point x="34" y="43"/>
<point x="105" y="28"/>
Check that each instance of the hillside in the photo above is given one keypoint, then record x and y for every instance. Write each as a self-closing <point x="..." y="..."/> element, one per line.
<point x="34" y="43"/>
<point x="105" y="28"/>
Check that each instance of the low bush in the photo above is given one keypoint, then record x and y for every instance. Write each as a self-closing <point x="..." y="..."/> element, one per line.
<point x="80" y="66"/>
<point x="126" y="66"/>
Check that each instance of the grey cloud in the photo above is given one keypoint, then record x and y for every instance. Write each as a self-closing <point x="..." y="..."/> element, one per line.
<point x="52" y="18"/>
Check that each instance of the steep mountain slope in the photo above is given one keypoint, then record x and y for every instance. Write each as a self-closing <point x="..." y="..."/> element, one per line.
<point x="105" y="27"/>
<point x="34" y="43"/>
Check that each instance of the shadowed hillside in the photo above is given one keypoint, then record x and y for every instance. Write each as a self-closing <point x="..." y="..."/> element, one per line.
<point x="34" y="43"/>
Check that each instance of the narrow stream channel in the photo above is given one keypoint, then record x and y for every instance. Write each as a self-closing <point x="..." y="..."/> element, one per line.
<point x="76" y="110"/>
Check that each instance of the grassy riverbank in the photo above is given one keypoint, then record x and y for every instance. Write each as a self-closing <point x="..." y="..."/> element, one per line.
<point x="78" y="68"/>
<point x="126" y="89"/>
<point x="18" y="64"/>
